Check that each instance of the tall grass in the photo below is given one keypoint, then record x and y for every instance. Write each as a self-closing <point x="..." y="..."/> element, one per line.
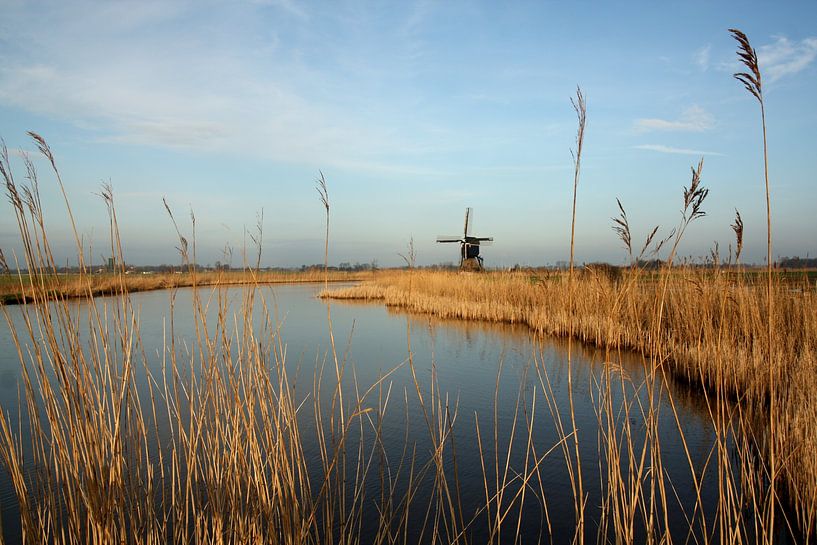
<point x="211" y="447"/>
<point x="705" y="327"/>
<point x="712" y="335"/>
<point x="753" y="83"/>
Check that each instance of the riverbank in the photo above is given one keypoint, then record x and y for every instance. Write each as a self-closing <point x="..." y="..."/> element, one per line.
<point x="710" y="330"/>
<point x="19" y="288"/>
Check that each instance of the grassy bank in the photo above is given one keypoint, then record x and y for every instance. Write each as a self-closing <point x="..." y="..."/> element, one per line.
<point x="712" y="333"/>
<point x="19" y="288"/>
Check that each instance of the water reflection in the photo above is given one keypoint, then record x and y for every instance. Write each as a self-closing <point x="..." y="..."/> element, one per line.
<point x="490" y="397"/>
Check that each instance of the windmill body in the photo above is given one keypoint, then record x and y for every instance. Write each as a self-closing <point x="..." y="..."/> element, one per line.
<point x="470" y="259"/>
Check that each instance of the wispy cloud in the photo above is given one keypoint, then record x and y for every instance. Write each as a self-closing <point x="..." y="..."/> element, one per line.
<point x="171" y="133"/>
<point x="257" y="84"/>
<point x="293" y="8"/>
<point x="23" y="153"/>
<point x="660" y="148"/>
<point x="178" y="87"/>
<point x="693" y="119"/>
<point x="419" y="13"/>
<point x="785" y="57"/>
<point x="701" y="57"/>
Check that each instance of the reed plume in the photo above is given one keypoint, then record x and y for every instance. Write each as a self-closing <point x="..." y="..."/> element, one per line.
<point x="320" y="186"/>
<point x="737" y="227"/>
<point x="753" y="82"/>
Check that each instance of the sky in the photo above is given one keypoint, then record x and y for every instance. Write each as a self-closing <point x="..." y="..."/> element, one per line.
<point x="412" y="111"/>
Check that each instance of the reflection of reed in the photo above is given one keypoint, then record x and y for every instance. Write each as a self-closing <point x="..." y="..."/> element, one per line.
<point x="466" y="328"/>
<point x="711" y="333"/>
<point x="593" y="360"/>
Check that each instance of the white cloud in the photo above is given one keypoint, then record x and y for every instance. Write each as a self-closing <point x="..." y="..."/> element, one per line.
<point x="786" y="58"/>
<point x="693" y="119"/>
<point x="678" y="151"/>
<point x="180" y="86"/>
<point x="256" y="84"/>
<point x="701" y="57"/>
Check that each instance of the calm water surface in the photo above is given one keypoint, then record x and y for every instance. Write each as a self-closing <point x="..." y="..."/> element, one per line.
<point x="480" y="369"/>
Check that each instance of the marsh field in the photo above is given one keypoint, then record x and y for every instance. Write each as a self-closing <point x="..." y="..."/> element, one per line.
<point x="669" y="404"/>
<point x="596" y="404"/>
<point x="241" y="412"/>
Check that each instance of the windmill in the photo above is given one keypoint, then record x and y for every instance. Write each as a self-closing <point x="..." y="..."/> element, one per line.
<point x="469" y="245"/>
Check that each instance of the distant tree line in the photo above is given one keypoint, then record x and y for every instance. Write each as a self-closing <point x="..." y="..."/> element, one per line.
<point x="612" y="271"/>
<point x="797" y="262"/>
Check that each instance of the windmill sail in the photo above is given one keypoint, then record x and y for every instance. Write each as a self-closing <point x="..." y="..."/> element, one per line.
<point x="469" y="245"/>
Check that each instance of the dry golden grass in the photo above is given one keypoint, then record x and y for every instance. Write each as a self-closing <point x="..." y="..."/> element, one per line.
<point x="713" y="333"/>
<point x="90" y="465"/>
<point x="208" y="449"/>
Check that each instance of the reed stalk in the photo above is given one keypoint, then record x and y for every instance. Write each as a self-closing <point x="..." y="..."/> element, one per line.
<point x="753" y="83"/>
<point x="580" y="107"/>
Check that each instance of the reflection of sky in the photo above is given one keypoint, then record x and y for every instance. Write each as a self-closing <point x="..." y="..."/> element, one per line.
<point x="475" y="364"/>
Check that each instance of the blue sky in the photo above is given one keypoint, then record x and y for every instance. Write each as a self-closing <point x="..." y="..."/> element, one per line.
<point x="413" y="111"/>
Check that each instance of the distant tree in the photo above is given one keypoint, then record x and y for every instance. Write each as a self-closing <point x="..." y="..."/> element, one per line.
<point x="797" y="262"/>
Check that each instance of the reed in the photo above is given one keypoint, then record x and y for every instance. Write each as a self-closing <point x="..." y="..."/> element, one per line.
<point x="755" y="369"/>
<point x="712" y="333"/>
<point x="580" y="107"/>
<point x="753" y="83"/>
<point x="212" y="448"/>
<point x="212" y="452"/>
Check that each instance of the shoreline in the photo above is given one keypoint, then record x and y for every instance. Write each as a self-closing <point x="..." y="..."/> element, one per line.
<point x="88" y="286"/>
